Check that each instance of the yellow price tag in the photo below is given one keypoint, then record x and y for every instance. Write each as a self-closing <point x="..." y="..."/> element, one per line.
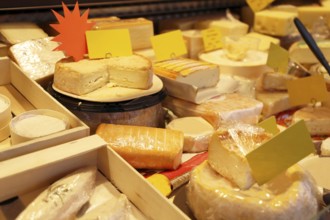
<point x="280" y="152"/>
<point x="307" y="90"/>
<point x="107" y="43"/>
<point x="278" y="58"/>
<point x="168" y="45"/>
<point x="212" y="39"/>
<point x="270" y="125"/>
<point x="257" y="5"/>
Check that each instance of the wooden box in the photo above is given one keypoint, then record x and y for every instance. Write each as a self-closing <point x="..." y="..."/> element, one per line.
<point x="29" y="172"/>
<point x="25" y="94"/>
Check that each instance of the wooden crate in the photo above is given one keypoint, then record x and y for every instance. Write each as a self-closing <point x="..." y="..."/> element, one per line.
<point x="25" y="94"/>
<point x="41" y="168"/>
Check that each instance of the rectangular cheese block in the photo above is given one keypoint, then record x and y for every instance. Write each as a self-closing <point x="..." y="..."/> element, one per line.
<point x="227" y="151"/>
<point x="275" y="23"/>
<point x="194" y="42"/>
<point x="140" y="29"/>
<point x="300" y="52"/>
<point x="264" y="41"/>
<point x="197" y="73"/>
<point x="273" y="102"/>
<point x="144" y="147"/>
<point x="276" y="81"/>
<point x="225" y="108"/>
<point x="310" y="15"/>
<point x="230" y="27"/>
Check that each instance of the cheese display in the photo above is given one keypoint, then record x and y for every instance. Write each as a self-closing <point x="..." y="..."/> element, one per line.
<point x="228" y="148"/>
<point x="273" y="102"/>
<point x="194" y="42"/>
<point x="276" y="81"/>
<point x="317" y="119"/>
<point x="37" y="58"/>
<point x="85" y="76"/>
<point x="196" y="130"/>
<point x="226" y="108"/>
<point x="64" y="198"/>
<point x="197" y="73"/>
<point x="274" y="23"/>
<point x="291" y="195"/>
<point x="264" y="40"/>
<point x="310" y="15"/>
<point x="300" y="52"/>
<point x="144" y="147"/>
<point x="140" y="29"/>
<point x="17" y="32"/>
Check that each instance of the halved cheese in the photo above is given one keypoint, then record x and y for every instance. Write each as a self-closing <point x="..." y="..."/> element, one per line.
<point x="273" y="102"/>
<point x="196" y="130"/>
<point x="144" y="147"/>
<point x="317" y="119"/>
<point x="228" y="148"/>
<point x="225" y="108"/>
<point x="292" y="195"/>
<point x="197" y="73"/>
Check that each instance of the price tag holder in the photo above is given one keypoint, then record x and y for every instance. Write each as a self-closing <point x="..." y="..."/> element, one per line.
<point x="281" y="152"/>
<point x="307" y="90"/>
<point x="278" y="58"/>
<point x="270" y="125"/>
<point x="212" y="39"/>
<point x="257" y="5"/>
<point x="108" y="43"/>
<point x="168" y="45"/>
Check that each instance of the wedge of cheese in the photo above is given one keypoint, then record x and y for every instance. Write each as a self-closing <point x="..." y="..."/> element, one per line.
<point x="196" y="130"/>
<point x="273" y="102"/>
<point x="197" y="73"/>
<point x="144" y="147"/>
<point x="228" y="148"/>
<point x="140" y="29"/>
<point x="291" y="195"/>
<point x="226" y="108"/>
<point x="275" y="23"/>
<point x="317" y="119"/>
<point x="276" y="81"/>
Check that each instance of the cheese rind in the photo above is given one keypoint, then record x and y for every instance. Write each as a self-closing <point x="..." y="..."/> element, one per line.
<point x="292" y="195"/>
<point x="227" y="151"/>
<point x="196" y="130"/>
<point x="144" y="147"/>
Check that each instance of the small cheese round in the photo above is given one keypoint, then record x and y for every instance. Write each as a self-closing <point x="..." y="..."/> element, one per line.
<point x="197" y="132"/>
<point x="291" y="195"/>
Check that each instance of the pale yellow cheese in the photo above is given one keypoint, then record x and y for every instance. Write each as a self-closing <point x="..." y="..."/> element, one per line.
<point x="273" y="102"/>
<point x="300" y="52"/>
<point x="276" y="81"/>
<point x="325" y="147"/>
<point x="229" y="27"/>
<point x="196" y="130"/>
<point x="275" y="23"/>
<point x="194" y="42"/>
<point x="310" y="15"/>
<point x="264" y="41"/>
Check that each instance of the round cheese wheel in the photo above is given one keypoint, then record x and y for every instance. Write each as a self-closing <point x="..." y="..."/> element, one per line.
<point x="291" y="195"/>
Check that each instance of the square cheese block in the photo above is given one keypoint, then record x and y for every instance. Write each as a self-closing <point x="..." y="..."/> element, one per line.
<point x="230" y="27"/>
<point x="311" y="15"/>
<point x="273" y="102"/>
<point x="264" y="40"/>
<point x="275" y="23"/>
<point x="317" y="119"/>
<point x="276" y="81"/>
<point x="300" y="52"/>
<point x="197" y="73"/>
<point x="140" y="29"/>
<point x="17" y="32"/>
<point x="225" y="108"/>
<point x="194" y="42"/>
<point x="228" y="149"/>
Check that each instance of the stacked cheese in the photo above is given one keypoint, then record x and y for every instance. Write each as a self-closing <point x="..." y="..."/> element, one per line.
<point x="85" y="76"/>
<point x="222" y="187"/>
<point x="188" y="79"/>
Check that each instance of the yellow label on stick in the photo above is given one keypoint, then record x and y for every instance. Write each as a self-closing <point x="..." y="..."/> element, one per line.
<point x="257" y="5"/>
<point x="307" y="90"/>
<point x="211" y="39"/>
<point x="168" y="45"/>
<point x="270" y="125"/>
<point x="278" y="58"/>
<point x="279" y="153"/>
<point x="108" y="43"/>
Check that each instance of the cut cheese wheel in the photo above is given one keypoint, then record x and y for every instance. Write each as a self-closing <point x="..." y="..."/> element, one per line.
<point x="292" y="195"/>
<point x="228" y="148"/>
<point x="197" y="132"/>
<point x="144" y="147"/>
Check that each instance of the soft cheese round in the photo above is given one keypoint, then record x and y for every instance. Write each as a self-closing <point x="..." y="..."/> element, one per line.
<point x="292" y="195"/>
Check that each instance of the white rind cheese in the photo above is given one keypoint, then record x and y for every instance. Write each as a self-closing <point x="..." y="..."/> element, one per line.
<point x="292" y="196"/>
<point x="196" y="130"/>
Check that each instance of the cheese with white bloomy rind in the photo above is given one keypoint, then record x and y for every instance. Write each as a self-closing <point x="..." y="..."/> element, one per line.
<point x="228" y="149"/>
<point x="311" y="15"/>
<point x="196" y="130"/>
<point x="273" y="102"/>
<point x="225" y="108"/>
<point x="197" y="73"/>
<point x="275" y="23"/>
<point x="292" y="195"/>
